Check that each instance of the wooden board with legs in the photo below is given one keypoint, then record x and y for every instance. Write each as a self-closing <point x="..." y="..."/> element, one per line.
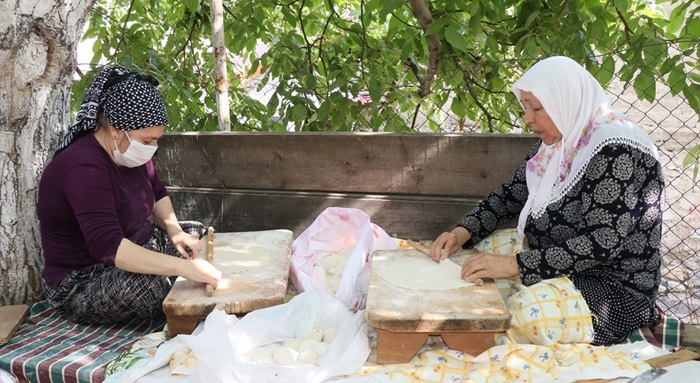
<point x="466" y="318"/>
<point x="239" y="292"/>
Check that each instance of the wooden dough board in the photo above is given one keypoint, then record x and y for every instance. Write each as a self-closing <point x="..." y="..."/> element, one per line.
<point x="237" y="293"/>
<point x="466" y="318"/>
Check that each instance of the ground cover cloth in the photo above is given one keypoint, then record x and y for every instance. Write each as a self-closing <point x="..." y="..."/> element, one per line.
<point x="49" y="349"/>
<point x="434" y="362"/>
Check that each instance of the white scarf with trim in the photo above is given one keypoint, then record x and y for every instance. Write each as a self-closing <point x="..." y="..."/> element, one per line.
<point x="578" y="106"/>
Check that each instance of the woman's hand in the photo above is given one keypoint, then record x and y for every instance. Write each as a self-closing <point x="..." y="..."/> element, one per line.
<point x="447" y="243"/>
<point x="186" y="244"/>
<point x="202" y="271"/>
<point x="489" y="265"/>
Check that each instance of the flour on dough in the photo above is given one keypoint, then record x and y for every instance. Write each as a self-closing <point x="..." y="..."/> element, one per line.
<point x="235" y="259"/>
<point x="422" y="273"/>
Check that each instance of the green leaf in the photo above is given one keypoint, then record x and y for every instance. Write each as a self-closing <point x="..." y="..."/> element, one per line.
<point x="298" y="112"/>
<point x="607" y="70"/>
<point x="192" y="5"/>
<point x="677" y="18"/>
<point x="645" y="86"/>
<point x="693" y="26"/>
<point x="458" y="109"/>
<point x="676" y="79"/>
<point x="694" y="76"/>
<point x="457" y="79"/>
<point x="456" y="39"/>
<point x="692" y="156"/>
<point x="692" y="95"/>
<point x="436" y="25"/>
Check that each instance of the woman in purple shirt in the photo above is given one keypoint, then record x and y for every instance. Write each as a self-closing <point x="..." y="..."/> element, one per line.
<point x="104" y="260"/>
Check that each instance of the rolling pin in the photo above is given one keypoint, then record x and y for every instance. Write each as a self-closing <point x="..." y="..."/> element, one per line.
<point x="210" y="255"/>
<point x="426" y="251"/>
<point x="683" y="355"/>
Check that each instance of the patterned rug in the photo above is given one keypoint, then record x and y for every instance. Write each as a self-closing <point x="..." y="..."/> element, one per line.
<point x="49" y="349"/>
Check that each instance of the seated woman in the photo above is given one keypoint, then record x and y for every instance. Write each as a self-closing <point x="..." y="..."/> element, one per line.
<point x="589" y="200"/>
<point x="104" y="261"/>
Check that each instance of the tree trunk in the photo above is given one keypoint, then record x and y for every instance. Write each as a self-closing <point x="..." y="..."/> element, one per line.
<point x="38" y="41"/>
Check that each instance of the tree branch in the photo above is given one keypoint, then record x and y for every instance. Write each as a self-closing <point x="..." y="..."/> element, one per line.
<point x="472" y="93"/>
<point x="422" y="13"/>
<point x="128" y="13"/>
<point x="306" y="39"/>
<point x="189" y="39"/>
<point x="628" y="30"/>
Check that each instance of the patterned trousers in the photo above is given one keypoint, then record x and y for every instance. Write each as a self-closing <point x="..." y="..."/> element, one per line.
<point x="107" y="294"/>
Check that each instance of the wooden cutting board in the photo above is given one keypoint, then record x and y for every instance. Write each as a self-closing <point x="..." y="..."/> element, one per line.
<point x="238" y="292"/>
<point x="465" y="317"/>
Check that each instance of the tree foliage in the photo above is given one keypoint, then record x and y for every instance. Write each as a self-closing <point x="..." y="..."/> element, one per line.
<point x="323" y="57"/>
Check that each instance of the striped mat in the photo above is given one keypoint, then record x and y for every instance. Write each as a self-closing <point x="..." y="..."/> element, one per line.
<point x="49" y="349"/>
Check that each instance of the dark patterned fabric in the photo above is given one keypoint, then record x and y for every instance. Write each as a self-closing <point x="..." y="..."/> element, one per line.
<point x="605" y="233"/>
<point x="128" y="99"/>
<point x="111" y="295"/>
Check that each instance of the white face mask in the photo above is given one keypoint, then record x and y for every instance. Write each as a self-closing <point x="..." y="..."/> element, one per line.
<point x="136" y="154"/>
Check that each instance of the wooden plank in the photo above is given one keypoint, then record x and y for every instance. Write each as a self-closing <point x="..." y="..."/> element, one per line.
<point x="415" y="217"/>
<point x="11" y="317"/>
<point x="463" y="165"/>
<point x="466" y="309"/>
<point x="238" y="292"/>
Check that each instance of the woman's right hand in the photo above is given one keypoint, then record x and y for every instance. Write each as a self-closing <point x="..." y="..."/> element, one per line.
<point x="202" y="271"/>
<point x="448" y="243"/>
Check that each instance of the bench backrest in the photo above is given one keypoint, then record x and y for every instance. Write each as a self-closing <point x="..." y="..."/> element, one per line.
<point x="412" y="185"/>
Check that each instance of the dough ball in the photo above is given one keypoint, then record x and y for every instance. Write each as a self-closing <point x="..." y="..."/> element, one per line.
<point x="316" y="335"/>
<point x="320" y="349"/>
<point x="260" y="355"/>
<point x="307" y="344"/>
<point x="292" y="343"/>
<point x="329" y="334"/>
<point x="283" y="356"/>
<point x="330" y="261"/>
<point x="308" y="356"/>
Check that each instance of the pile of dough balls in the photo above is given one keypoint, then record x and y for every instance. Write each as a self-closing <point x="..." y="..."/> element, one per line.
<point x="333" y="265"/>
<point x="294" y="351"/>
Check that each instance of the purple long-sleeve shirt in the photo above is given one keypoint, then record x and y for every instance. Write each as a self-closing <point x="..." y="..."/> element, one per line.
<point x="87" y="205"/>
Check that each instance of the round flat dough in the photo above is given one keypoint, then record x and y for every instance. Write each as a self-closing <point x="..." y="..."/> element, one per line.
<point x="422" y="273"/>
<point x="236" y="259"/>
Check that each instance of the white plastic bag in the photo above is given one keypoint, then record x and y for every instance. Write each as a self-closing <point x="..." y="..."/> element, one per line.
<point x="222" y="344"/>
<point x="333" y="230"/>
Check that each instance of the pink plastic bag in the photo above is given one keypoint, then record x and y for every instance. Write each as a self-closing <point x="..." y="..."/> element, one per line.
<point x="332" y="231"/>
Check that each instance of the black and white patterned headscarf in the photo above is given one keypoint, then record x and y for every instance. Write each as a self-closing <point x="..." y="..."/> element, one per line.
<point x="129" y="101"/>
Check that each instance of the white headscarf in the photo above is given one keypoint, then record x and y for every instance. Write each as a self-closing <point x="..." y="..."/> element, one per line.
<point x="578" y="106"/>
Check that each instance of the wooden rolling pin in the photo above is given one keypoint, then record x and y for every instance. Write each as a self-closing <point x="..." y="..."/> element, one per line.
<point x="681" y="356"/>
<point x="426" y="251"/>
<point x="210" y="256"/>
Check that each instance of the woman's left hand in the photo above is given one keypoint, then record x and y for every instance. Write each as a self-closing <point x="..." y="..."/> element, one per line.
<point x="186" y="244"/>
<point x="489" y="265"/>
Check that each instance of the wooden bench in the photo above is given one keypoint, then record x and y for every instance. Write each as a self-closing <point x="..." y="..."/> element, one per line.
<point x="412" y="185"/>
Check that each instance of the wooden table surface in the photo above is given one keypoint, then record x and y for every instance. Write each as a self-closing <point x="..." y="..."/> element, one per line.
<point x="240" y="292"/>
<point x="466" y="309"/>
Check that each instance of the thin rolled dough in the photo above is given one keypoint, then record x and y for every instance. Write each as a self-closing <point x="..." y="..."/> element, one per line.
<point x="236" y="259"/>
<point x="422" y="273"/>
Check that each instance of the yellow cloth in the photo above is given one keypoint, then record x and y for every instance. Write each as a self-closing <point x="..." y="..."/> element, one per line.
<point x="551" y="329"/>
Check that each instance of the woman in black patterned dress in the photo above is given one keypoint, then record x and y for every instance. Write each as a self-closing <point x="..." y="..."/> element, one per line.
<point x="589" y="199"/>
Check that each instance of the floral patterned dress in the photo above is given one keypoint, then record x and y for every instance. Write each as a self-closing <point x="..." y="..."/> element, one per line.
<point x="604" y="233"/>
